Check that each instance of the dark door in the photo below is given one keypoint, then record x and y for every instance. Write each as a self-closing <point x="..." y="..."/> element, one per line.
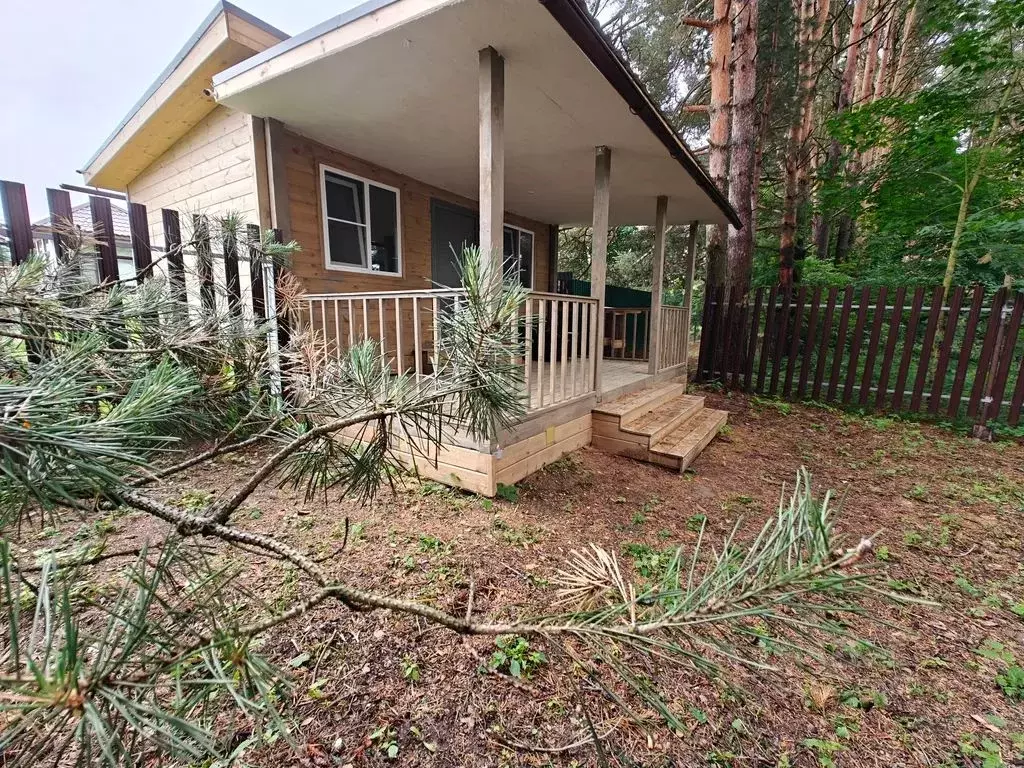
<point x="452" y="228"/>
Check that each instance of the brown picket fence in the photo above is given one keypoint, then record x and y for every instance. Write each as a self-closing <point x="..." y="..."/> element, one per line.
<point x="213" y="280"/>
<point x="901" y="350"/>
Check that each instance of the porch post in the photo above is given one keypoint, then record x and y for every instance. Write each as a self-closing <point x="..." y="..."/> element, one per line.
<point x="691" y="256"/>
<point x="599" y="249"/>
<point x="492" y="159"/>
<point x="657" y="286"/>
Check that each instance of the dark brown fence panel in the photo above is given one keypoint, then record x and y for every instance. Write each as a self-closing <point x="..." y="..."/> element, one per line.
<point x="855" y="344"/>
<point x="908" y="349"/>
<point x="1010" y="329"/>
<point x="259" y="301"/>
<point x="231" y="276"/>
<point x="876" y="335"/>
<point x="142" y="254"/>
<point x="794" y="345"/>
<point x="987" y="348"/>
<point x="925" y="357"/>
<point x="14" y="201"/>
<point x="927" y="351"/>
<point x="952" y="319"/>
<point x="837" y="358"/>
<point x="826" y="330"/>
<point x="61" y="217"/>
<point x="172" y="246"/>
<point x="964" y="360"/>
<point x="103" y="232"/>
<point x="204" y="261"/>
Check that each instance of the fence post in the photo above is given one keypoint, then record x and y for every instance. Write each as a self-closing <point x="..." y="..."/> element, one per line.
<point x="204" y="262"/>
<point x="61" y="217"/>
<point x="142" y="253"/>
<point x="103" y="231"/>
<point x="14" y="202"/>
<point x="172" y="249"/>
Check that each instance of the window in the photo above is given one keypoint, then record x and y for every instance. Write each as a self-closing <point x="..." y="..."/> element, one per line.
<point x="519" y="253"/>
<point x="361" y="229"/>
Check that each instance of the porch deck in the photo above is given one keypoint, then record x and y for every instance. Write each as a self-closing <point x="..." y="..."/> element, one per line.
<point x="617" y="377"/>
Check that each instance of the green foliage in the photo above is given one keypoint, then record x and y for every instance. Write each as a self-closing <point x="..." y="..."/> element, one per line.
<point x="1012" y="682"/>
<point x="515" y="657"/>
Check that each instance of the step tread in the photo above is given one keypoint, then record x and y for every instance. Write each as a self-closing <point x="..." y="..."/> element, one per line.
<point x="692" y="435"/>
<point x="651" y="422"/>
<point x="637" y="400"/>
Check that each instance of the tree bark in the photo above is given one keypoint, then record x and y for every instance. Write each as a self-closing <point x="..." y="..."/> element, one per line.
<point x="744" y="138"/>
<point x="906" y="43"/>
<point x="718" y="139"/>
<point x="798" y="155"/>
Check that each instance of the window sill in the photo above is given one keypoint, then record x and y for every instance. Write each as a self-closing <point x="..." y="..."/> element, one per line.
<point x="360" y="270"/>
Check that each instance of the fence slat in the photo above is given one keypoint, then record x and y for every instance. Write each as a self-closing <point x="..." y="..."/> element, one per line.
<point x="705" y="336"/>
<point x="740" y="345"/>
<point x="204" y="261"/>
<point x="966" y="347"/>
<point x="987" y="348"/>
<point x="1004" y="359"/>
<point x="728" y="334"/>
<point x="1018" y="397"/>
<point x="837" y="358"/>
<point x="826" y="330"/>
<point x="812" y="329"/>
<point x="748" y="383"/>
<point x="945" y="346"/>
<point x="876" y="335"/>
<point x="855" y="343"/>
<point x="14" y="202"/>
<point x="259" y="298"/>
<point x="794" y="347"/>
<point x="232" y="279"/>
<point x="172" y="246"/>
<point x="717" y="335"/>
<point x="766" y="343"/>
<point x="890" y="347"/>
<point x="924" y="359"/>
<point x="908" y="348"/>
<point x="61" y="216"/>
<point x="103" y="233"/>
<point x="780" y="341"/>
<point x="138" y="228"/>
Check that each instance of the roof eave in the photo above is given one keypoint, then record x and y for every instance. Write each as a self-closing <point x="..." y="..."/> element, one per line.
<point x="581" y="27"/>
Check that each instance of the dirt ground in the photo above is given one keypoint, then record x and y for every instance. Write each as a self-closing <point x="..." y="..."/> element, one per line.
<point x="922" y="691"/>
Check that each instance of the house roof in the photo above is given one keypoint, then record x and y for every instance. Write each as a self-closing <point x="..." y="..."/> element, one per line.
<point x="81" y="216"/>
<point x="391" y="43"/>
<point x="176" y="102"/>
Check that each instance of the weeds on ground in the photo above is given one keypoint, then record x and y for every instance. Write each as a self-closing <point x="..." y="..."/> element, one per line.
<point x="515" y="657"/>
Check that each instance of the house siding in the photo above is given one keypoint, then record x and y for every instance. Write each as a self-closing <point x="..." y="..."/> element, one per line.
<point x="209" y="170"/>
<point x="304" y="157"/>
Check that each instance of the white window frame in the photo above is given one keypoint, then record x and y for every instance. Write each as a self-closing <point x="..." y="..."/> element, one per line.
<point x="366" y="269"/>
<point x="533" y="251"/>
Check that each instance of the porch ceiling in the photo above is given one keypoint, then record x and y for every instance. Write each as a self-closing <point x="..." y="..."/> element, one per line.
<point x="396" y="83"/>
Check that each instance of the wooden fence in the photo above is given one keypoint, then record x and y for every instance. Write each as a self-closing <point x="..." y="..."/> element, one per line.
<point x="205" y="266"/>
<point x="898" y="350"/>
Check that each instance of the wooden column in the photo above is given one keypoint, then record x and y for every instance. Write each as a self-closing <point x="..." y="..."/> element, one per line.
<point x="492" y="158"/>
<point x="657" y="285"/>
<point x="277" y="177"/>
<point x="691" y="258"/>
<point x="599" y="248"/>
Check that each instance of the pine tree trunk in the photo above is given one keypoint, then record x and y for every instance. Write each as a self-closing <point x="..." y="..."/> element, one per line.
<point x="906" y="43"/>
<point x="797" y="160"/>
<point x="744" y="137"/>
<point x="718" y="139"/>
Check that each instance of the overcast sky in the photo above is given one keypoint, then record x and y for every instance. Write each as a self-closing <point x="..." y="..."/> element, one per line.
<point x="71" y="69"/>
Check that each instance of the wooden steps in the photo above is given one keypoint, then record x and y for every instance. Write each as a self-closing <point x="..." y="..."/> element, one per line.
<point x="662" y="425"/>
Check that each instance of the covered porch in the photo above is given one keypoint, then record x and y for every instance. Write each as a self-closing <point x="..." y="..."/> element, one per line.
<point x="524" y="113"/>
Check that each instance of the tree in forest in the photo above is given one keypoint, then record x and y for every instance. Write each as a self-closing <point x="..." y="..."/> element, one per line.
<point x="106" y="391"/>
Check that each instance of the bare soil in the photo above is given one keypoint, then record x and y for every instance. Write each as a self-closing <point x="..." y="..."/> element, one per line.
<point x="947" y="511"/>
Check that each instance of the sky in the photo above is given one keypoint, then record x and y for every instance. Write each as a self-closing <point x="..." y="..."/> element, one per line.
<point x="71" y="69"/>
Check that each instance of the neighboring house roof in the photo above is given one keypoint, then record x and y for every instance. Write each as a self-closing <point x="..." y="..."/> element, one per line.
<point x="81" y="216"/>
<point x="175" y="102"/>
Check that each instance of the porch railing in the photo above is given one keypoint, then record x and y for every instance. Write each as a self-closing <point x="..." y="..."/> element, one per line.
<point x="675" y="331"/>
<point x="627" y="333"/>
<point x="559" y="335"/>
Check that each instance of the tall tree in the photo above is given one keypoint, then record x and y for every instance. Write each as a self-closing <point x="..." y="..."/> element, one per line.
<point x="742" y="186"/>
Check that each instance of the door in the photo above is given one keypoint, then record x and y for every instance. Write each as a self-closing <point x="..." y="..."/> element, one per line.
<point x="452" y="228"/>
